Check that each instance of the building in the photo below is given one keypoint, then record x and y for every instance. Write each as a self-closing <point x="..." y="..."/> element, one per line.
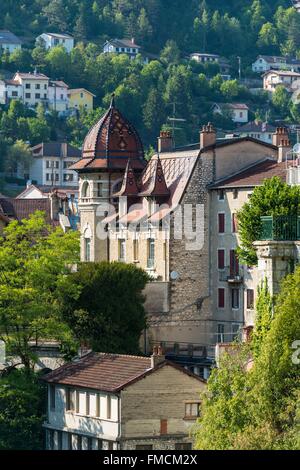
<point x="34" y="88"/>
<point x="58" y="96"/>
<point x="80" y="98"/>
<point x="257" y="130"/>
<point x="197" y="294"/>
<point x="203" y="58"/>
<point x="10" y="90"/>
<point x="115" y="402"/>
<point x="122" y="46"/>
<point x="50" y="40"/>
<point x="239" y="112"/>
<point x="265" y="63"/>
<point x="51" y="163"/>
<point x="9" y="42"/>
<point x="272" y="79"/>
<point x="296" y="4"/>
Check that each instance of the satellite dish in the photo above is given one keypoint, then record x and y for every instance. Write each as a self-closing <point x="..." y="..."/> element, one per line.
<point x="296" y="149"/>
<point x="174" y="275"/>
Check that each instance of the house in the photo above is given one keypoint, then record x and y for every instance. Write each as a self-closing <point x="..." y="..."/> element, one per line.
<point x="50" y="40"/>
<point x="9" y="42"/>
<point x="10" y="90"/>
<point x="34" y="87"/>
<point x="296" y="4"/>
<point x="117" y="402"/>
<point x="51" y="163"/>
<point x="58" y="96"/>
<point x="188" y="309"/>
<point x="265" y="63"/>
<point x="80" y="98"/>
<point x="272" y="79"/>
<point x="122" y="46"/>
<point x="257" y="130"/>
<point x="203" y="58"/>
<point x="238" y="111"/>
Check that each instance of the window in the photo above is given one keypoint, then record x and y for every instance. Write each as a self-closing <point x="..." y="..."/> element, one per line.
<point x="52" y="397"/>
<point x="108" y="412"/>
<point x="235" y="299"/>
<point x="70" y="399"/>
<point x="234" y="223"/>
<point x="122" y="250"/>
<point x="99" y="189"/>
<point x="56" y="177"/>
<point x="57" y="165"/>
<point x="45" y="87"/>
<point x="27" y="86"/>
<point x="61" y="97"/>
<point x="85" y="190"/>
<point x="144" y="447"/>
<point x="221" y="331"/>
<point x="183" y="446"/>
<point x="250" y="299"/>
<point x="110" y="445"/>
<point x="37" y="86"/>
<point x="51" y="439"/>
<point x="234" y="264"/>
<point x="70" y="446"/>
<point x="98" y="406"/>
<point x="87" y="250"/>
<point x="89" y="443"/>
<point x="37" y="96"/>
<point x="192" y="410"/>
<point x="135" y="250"/>
<point x="68" y="177"/>
<point x="14" y="93"/>
<point x="163" y="427"/>
<point x="221" y="298"/>
<point x="221" y="259"/>
<point x="235" y="194"/>
<point x="100" y="444"/>
<point x="87" y="404"/>
<point x="27" y="95"/>
<point x="79" y="442"/>
<point x="81" y="95"/>
<point x="221" y="195"/>
<point x="45" y="96"/>
<point x="47" y="177"/>
<point x="151" y="253"/>
<point x="59" y="440"/>
<point x="221" y="223"/>
<point x="241" y="114"/>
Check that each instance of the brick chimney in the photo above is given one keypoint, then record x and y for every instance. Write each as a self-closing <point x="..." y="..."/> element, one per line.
<point x="157" y="357"/>
<point x="165" y="142"/>
<point x="284" y="148"/>
<point x="208" y="136"/>
<point x="280" y="134"/>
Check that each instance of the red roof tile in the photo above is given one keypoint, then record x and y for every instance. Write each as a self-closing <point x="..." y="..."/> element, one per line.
<point x="22" y="208"/>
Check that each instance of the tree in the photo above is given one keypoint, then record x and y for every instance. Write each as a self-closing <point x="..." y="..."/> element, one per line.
<point x="263" y="318"/>
<point x="22" y="411"/>
<point x="56" y="14"/>
<point x="39" y="130"/>
<point x="281" y="100"/>
<point x="230" y="89"/>
<point x="34" y="261"/>
<point x="109" y="323"/>
<point x="19" y="156"/>
<point x="274" y="198"/>
<point x="171" y="53"/>
<point x="154" y="112"/>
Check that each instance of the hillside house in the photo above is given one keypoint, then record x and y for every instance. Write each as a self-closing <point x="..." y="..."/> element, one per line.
<point x="50" y="40"/>
<point x="9" y="42"/>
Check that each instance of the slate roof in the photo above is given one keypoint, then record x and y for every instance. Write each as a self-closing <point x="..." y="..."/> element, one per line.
<point x="125" y="42"/>
<point x="257" y="126"/>
<point x="7" y="37"/>
<point x="59" y="35"/>
<point x="55" y="149"/>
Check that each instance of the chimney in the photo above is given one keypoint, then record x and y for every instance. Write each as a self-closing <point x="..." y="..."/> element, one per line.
<point x="132" y="40"/>
<point x="280" y="134"/>
<point x="247" y="334"/>
<point x="84" y="349"/>
<point x="283" y="149"/>
<point x="208" y="136"/>
<point x="157" y="357"/>
<point x="165" y="142"/>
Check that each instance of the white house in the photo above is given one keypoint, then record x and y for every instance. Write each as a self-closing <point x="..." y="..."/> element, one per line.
<point x="204" y="58"/>
<point x="239" y="111"/>
<point x="273" y="78"/>
<point x="34" y="87"/>
<point x="258" y="130"/>
<point x="264" y="63"/>
<point x="122" y="46"/>
<point x="58" y="96"/>
<point x="9" y="42"/>
<point x="112" y="402"/>
<point x="10" y="90"/>
<point x="50" y="40"/>
<point x="51" y="163"/>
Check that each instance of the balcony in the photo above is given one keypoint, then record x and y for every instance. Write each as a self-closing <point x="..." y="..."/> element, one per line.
<point x="232" y="276"/>
<point x="280" y="228"/>
<point x="185" y="350"/>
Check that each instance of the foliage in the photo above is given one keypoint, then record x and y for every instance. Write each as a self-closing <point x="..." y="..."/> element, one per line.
<point x="257" y="408"/>
<point x="19" y="154"/>
<point x="275" y="198"/>
<point x="22" y="411"/>
<point x="34" y="261"/>
<point x="263" y="318"/>
<point x="96" y="315"/>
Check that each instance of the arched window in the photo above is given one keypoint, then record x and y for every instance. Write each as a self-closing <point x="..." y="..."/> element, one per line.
<point x="85" y="190"/>
<point x="87" y="244"/>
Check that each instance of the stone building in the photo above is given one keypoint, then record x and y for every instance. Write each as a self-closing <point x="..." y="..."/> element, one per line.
<point x="175" y="217"/>
<point x="115" y="402"/>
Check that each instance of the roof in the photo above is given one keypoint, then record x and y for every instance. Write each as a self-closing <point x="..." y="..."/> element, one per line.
<point x="19" y="209"/>
<point x="285" y="73"/>
<point x="254" y="175"/>
<point x="257" y="126"/>
<point x="106" y="372"/>
<point x="61" y="191"/>
<point x="271" y="59"/>
<point x="32" y="76"/>
<point x="11" y="82"/>
<point x="60" y="35"/>
<point x="59" y="83"/>
<point x="7" y="37"/>
<point x="125" y="42"/>
<point x="55" y="149"/>
<point x="237" y="106"/>
<point x="110" y="143"/>
<point x="73" y="91"/>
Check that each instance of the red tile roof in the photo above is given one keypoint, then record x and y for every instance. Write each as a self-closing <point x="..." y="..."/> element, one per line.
<point x="255" y="175"/>
<point x="20" y="209"/>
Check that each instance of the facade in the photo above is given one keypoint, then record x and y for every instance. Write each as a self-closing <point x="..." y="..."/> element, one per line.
<point x="58" y="96"/>
<point x="258" y="130"/>
<point x="239" y="111"/>
<point x="9" y="42"/>
<point x="80" y="98"/>
<point x="51" y="163"/>
<point x="34" y="87"/>
<point x="10" y="90"/>
<point x="272" y="79"/>
<point x="265" y="63"/>
<point x="191" y="303"/>
<point x="50" y="40"/>
<point x="203" y="58"/>
<point x="92" y="404"/>
<point x="122" y="46"/>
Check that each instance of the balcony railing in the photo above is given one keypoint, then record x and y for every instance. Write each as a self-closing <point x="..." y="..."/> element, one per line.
<point x="233" y="276"/>
<point x="280" y="228"/>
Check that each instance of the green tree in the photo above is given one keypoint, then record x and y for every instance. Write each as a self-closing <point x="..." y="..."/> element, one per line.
<point x="281" y="100"/>
<point x="109" y="323"/>
<point x="34" y="261"/>
<point x="263" y="318"/>
<point x="19" y="156"/>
